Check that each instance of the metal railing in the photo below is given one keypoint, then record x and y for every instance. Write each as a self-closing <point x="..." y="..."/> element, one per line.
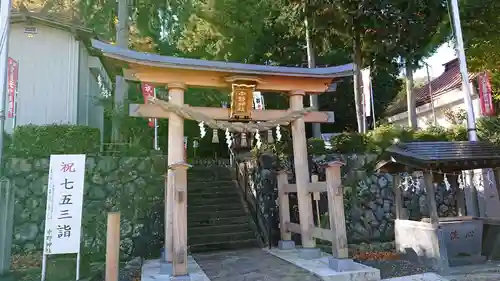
<point x="6" y="223"/>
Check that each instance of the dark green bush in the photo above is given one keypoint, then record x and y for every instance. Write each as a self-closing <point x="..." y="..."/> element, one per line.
<point x="316" y="146"/>
<point x="42" y="141"/>
<point x="349" y="143"/>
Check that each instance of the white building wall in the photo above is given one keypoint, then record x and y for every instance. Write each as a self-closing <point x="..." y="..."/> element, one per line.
<point x="451" y="100"/>
<point x="48" y="76"/>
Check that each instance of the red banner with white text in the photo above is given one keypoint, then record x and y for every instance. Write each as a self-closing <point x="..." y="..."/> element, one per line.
<point x="12" y="79"/>
<point x="485" y="95"/>
<point x="148" y="91"/>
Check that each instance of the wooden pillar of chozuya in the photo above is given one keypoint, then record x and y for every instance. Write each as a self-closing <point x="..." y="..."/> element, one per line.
<point x="301" y="164"/>
<point x="176" y="208"/>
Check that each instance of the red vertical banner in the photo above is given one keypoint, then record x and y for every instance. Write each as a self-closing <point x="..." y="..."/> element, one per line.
<point x="485" y="95"/>
<point x="148" y="91"/>
<point x="12" y="79"/>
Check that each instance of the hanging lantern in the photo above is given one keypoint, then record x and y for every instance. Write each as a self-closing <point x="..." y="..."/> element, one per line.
<point x="243" y="142"/>
<point x="215" y="136"/>
<point x="202" y="129"/>
<point x="270" y="138"/>
<point x="278" y="133"/>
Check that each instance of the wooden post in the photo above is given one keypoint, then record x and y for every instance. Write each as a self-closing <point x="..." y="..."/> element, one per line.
<point x="176" y="236"/>
<point x="316" y="198"/>
<point x="398" y="198"/>
<point x="431" y="198"/>
<point x="179" y="258"/>
<point x="335" y="193"/>
<point x="112" y="246"/>
<point x="284" y="206"/>
<point x="302" y="171"/>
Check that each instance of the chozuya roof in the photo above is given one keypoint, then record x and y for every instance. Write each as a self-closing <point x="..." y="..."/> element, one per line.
<point x="155" y="60"/>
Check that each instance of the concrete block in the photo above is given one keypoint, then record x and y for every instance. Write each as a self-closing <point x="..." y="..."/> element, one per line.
<point x="341" y="264"/>
<point x="309" y="253"/>
<point x="163" y="254"/>
<point x="165" y="268"/>
<point x="286" y="245"/>
<point x="181" y="278"/>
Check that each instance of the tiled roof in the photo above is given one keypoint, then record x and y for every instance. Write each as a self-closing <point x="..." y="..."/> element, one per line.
<point x="445" y="156"/>
<point x="451" y="79"/>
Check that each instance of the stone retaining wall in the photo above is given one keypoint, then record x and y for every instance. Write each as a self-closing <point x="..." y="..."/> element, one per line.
<point x="128" y="185"/>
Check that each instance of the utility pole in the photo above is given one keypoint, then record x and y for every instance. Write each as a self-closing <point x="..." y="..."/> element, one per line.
<point x="470" y="189"/>
<point x="311" y="62"/>
<point x="410" y="98"/>
<point x="121" y="87"/>
<point x="5" y="6"/>
<point x="430" y="94"/>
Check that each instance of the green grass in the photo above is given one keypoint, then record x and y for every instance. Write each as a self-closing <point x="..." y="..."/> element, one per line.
<point x="59" y="268"/>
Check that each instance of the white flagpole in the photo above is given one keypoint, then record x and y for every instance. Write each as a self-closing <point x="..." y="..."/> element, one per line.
<point x="471" y="119"/>
<point x="156" y="128"/>
<point x="372" y="103"/>
<point x="470" y="189"/>
<point x="4" y="44"/>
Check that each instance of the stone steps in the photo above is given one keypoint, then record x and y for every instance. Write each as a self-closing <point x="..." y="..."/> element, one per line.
<point x="219" y="222"/>
<point x="199" y="208"/>
<point x="226" y="227"/>
<point x="203" y="238"/>
<point x="217" y="218"/>
<point x="224" y="246"/>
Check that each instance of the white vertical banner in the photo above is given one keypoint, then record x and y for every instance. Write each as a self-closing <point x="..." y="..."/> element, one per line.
<point x="367" y="96"/>
<point x="258" y="101"/>
<point x="63" y="216"/>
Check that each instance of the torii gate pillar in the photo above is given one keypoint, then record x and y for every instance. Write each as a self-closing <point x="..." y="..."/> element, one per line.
<point x="301" y="164"/>
<point x="176" y="251"/>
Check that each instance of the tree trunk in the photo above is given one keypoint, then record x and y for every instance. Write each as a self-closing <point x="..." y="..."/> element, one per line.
<point x="358" y="98"/>
<point x="311" y="61"/>
<point x="410" y="97"/>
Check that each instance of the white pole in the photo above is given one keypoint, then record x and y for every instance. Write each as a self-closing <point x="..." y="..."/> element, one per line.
<point x="372" y="103"/>
<point x="471" y="119"/>
<point x="44" y="266"/>
<point x="470" y="190"/>
<point x="4" y="45"/>
<point x="156" y="128"/>
<point x="78" y="266"/>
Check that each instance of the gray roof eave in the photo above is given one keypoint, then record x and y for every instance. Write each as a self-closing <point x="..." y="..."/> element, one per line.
<point x="219" y="66"/>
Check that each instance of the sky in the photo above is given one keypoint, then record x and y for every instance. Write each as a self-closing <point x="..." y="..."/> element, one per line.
<point x="444" y="54"/>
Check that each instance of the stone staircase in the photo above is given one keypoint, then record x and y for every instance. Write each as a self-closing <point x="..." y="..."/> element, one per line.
<point x="217" y="216"/>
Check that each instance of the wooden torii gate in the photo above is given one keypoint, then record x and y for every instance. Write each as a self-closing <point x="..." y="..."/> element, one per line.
<point x="178" y="74"/>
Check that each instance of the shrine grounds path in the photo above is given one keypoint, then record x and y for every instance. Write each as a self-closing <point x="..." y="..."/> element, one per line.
<point x="250" y="265"/>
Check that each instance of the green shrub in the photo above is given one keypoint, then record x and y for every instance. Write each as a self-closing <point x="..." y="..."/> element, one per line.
<point x="349" y="143"/>
<point x="384" y="136"/>
<point x="42" y="141"/>
<point x="316" y="146"/>
<point x="433" y="133"/>
<point x="488" y="129"/>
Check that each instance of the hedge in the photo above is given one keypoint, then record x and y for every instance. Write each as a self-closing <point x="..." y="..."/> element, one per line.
<point x="42" y="141"/>
<point x="382" y="137"/>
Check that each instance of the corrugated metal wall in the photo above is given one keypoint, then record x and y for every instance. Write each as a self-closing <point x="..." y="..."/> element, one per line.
<point x="48" y="76"/>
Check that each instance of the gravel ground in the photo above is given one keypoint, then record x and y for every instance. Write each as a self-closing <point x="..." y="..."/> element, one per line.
<point x="396" y="268"/>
